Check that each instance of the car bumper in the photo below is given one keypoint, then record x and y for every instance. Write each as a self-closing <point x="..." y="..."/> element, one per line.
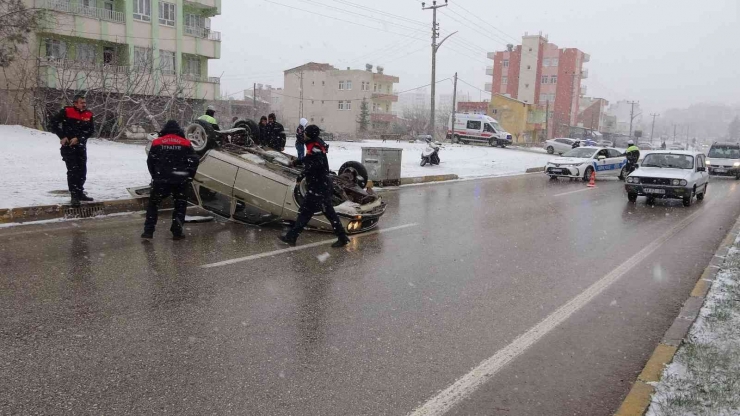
<point x="565" y="171"/>
<point x="733" y="171"/>
<point x="362" y="222"/>
<point x="658" y="191"/>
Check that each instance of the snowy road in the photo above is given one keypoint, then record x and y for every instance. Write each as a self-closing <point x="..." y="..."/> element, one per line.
<point x="35" y="174"/>
<point x="573" y="288"/>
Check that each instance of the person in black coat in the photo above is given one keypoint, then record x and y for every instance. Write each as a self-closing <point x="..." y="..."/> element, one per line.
<point x="74" y="125"/>
<point x="275" y="134"/>
<point x="261" y="139"/>
<point x="316" y="172"/>
<point x="172" y="162"/>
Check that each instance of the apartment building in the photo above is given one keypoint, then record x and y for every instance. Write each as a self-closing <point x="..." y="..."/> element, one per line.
<point x="142" y="47"/>
<point x="473" y="107"/>
<point x="593" y="114"/>
<point x="332" y="98"/>
<point x="541" y="73"/>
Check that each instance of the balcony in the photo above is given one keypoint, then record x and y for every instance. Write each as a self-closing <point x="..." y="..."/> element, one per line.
<point x="68" y="65"/>
<point x="584" y="74"/>
<point x="489" y="70"/>
<point x="201" y="78"/>
<point x="489" y="87"/>
<point x="382" y="117"/>
<point x="491" y="55"/>
<point x="203" y="32"/>
<point x="385" y="97"/>
<point x="81" y="10"/>
<point x="584" y="90"/>
<point x="586" y="57"/>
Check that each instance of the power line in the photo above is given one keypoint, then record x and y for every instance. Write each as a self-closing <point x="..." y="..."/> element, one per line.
<point x="473" y="86"/>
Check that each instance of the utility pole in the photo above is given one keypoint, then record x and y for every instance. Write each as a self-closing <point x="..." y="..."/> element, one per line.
<point x="547" y="121"/>
<point x="674" y="133"/>
<point x="254" y="101"/>
<point x="688" y="127"/>
<point x="454" y="109"/>
<point x="300" y="106"/>
<point x="435" y="48"/>
<point x="632" y="114"/>
<point x="652" y="129"/>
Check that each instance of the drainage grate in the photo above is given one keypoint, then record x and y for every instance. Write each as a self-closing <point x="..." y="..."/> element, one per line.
<point x="84" y="212"/>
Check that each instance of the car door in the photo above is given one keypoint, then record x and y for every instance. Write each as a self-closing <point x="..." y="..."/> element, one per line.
<point x="601" y="160"/>
<point x="616" y="161"/>
<point x="703" y="175"/>
<point x="562" y="145"/>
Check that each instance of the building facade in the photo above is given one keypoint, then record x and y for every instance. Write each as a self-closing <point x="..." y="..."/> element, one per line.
<point x="540" y="73"/>
<point x="593" y="114"/>
<point x="516" y="117"/>
<point x="332" y="98"/>
<point x="127" y="47"/>
<point x="473" y="107"/>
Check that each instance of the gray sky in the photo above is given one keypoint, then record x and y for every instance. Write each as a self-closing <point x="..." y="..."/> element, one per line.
<point x="664" y="53"/>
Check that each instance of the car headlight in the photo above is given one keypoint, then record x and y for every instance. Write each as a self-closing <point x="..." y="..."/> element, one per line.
<point x="675" y="182"/>
<point x="709" y="162"/>
<point x="631" y="179"/>
<point x="736" y="164"/>
<point x="684" y="182"/>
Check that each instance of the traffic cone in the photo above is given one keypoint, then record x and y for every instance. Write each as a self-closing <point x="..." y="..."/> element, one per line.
<point x="592" y="182"/>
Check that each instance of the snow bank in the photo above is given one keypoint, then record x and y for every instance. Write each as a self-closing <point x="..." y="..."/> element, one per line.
<point x="34" y="173"/>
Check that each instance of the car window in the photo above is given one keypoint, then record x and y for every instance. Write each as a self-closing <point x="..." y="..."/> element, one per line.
<point x="473" y="125"/>
<point x="724" y="152"/>
<point x="560" y="141"/>
<point x="581" y="153"/>
<point x="487" y="127"/>
<point x="614" y="153"/>
<point x="701" y="161"/>
<point x="603" y="152"/>
<point x="666" y="160"/>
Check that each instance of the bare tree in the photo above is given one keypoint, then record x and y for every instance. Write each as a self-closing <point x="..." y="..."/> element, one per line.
<point x="16" y="22"/>
<point x="417" y="118"/>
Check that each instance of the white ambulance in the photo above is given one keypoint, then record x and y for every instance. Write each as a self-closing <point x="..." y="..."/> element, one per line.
<point x="477" y="128"/>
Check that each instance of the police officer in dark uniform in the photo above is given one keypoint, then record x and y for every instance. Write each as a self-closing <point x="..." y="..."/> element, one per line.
<point x="74" y="125"/>
<point x="275" y="134"/>
<point x="316" y="171"/>
<point x="172" y="163"/>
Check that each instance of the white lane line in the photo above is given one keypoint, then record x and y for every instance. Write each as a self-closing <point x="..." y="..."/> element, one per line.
<point x="469" y="383"/>
<point x="573" y="192"/>
<point x="303" y="247"/>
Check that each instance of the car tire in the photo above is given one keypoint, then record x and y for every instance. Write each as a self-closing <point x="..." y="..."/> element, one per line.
<point x="251" y="127"/>
<point x="632" y="197"/>
<point x="587" y="174"/>
<point x="687" y="201"/>
<point x="550" y="150"/>
<point x="455" y="139"/>
<point x="358" y="171"/>
<point x="553" y="177"/>
<point x="622" y="176"/>
<point x="700" y="197"/>
<point x="737" y="177"/>
<point x="651" y="200"/>
<point x="202" y="136"/>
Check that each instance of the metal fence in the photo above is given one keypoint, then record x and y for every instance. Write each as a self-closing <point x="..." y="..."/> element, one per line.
<point x="82" y="10"/>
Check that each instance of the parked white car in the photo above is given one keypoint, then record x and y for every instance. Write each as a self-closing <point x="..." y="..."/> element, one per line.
<point x="559" y="146"/>
<point x="582" y="161"/>
<point x="669" y="174"/>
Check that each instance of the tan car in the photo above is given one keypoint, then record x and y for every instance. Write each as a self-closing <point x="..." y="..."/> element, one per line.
<point x="254" y="185"/>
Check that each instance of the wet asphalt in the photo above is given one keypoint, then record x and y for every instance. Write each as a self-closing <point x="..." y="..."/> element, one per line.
<point x="95" y="321"/>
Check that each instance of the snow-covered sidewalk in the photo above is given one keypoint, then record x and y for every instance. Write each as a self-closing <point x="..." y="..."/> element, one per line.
<point x="34" y="173"/>
<point x="704" y="377"/>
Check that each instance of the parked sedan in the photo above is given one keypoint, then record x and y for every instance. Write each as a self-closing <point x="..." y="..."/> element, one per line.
<point x="669" y="174"/>
<point x="559" y="146"/>
<point x="582" y="161"/>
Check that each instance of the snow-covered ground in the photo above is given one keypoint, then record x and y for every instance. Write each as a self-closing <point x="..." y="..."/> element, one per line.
<point x="704" y="377"/>
<point x="34" y="173"/>
<point x="465" y="161"/>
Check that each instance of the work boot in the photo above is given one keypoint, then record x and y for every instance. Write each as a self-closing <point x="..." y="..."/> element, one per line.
<point x="147" y="235"/>
<point x="341" y="242"/>
<point x="285" y="239"/>
<point x="74" y="202"/>
<point x="85" y="198"/>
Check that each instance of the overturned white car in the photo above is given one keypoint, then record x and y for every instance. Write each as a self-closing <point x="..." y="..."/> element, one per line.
<point x="255" y="185"/>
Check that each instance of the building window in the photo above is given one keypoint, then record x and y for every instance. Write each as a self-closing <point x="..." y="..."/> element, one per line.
<point x="345" y="105"/>
<point x="388" y="89"/>
<point x="313" y="82"/>
<point x="365" y="86"/>
<point x="311" y="102"/>
<point x="191" y="66"/>
<point x="108" y="6"/>
<point x="341" y="85"/>
<point x="506" y="63"/>
<point x="348" y="85"/>
<point x="504" y="80"/>
<point x="167" y="13"/>
<point x="322" y="102"/>
<point x="529" y="66"/>
<point x="322" y="119"/>
<point x="56" y="49"/>
<point x="323" y="83"/>
<point x="554" y="79"/>
<point x="494" y="111"/>
<point x="142" y="58"/>
<point x="341" y="105"/>
<point x="109" y="56"/>
<point x="311" y="119"/>
<point x="554" y="62"/>
<point x="143" y="10"/>
<point x="85" y="53"/>
<point x="546" y="62"/>
<point x="375" y="87"/>
<point x="167" y="62"/>
<point x="545" y="78"/>
<point x="526" y="85"/>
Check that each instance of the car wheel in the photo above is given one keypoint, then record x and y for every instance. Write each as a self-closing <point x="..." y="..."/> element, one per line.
<point x="358" y="170"/>
<point x="550" y="150"/>
<point x="651" y="200"/>
<point x="201" y="136"/>
<point x="492" y="143"/>
<point x="250" y="126"/>
<point x="737" y="177"/>
<point x="700" y="197"/>
<point x="632" y="197"/>
<point x="622" y="175"/>
<point x="456" y="139"/>
<point x="687" y="201"/>
<point x="587" y="174"/>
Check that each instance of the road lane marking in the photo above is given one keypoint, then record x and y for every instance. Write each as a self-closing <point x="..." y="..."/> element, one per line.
<point x="302" y="247"/>
<point x="573" y="192"/>
<point x="469" y="383"/>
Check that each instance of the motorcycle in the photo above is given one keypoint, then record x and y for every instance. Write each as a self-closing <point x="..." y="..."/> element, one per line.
<point x="431" y="153"/>
<point x="629" y="167"/>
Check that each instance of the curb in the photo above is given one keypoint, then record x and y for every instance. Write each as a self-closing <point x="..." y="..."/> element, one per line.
<point x="638" y="399"/>
<point x="428" y="179"/>
<point x="87" y="210"/>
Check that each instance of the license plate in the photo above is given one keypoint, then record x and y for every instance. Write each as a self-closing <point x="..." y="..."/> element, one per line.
<point x="720" y="170"/>
<point x="654" y="191"/>
<point x="557" y="171"/>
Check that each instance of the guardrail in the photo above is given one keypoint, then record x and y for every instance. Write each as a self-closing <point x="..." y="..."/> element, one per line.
<point x="201" y="78"/>
<point x="202" y="32"/>
<point x="82" y="10"/>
